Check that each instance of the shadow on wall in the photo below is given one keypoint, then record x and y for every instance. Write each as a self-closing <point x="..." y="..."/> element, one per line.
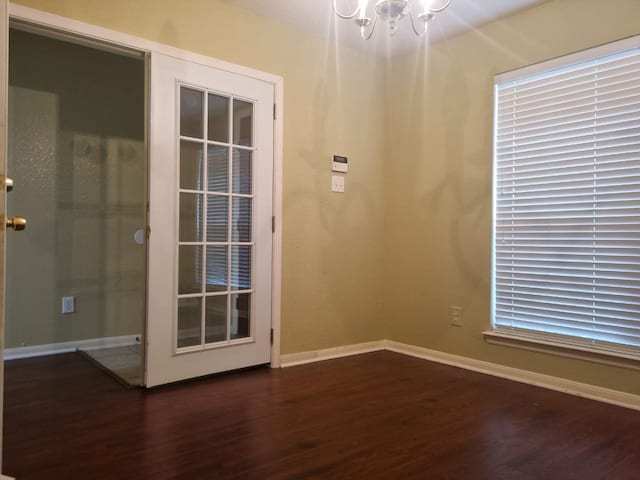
<point x="342" y="243"/>
<point x="440" y="192"/>
<point x="462" y="165"/>
<point x="443" y="131"/>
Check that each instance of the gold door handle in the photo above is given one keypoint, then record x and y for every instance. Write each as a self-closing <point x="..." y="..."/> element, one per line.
<point x="17" y="223"/>
<point x="8" y="183"/>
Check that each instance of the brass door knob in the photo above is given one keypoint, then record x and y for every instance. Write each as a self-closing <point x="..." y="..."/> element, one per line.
<point x="17" y="223"/>
<point x="8" y="183"/>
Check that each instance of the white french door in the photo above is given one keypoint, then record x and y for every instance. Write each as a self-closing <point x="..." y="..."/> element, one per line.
<point x="210" y="245"/>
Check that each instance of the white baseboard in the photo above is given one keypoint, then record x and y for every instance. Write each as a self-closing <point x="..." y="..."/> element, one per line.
<point x="4" y="477"/>
<point x="64" y="347"/>
<point x="563" y="385"/>
<point x="329" y="353"/>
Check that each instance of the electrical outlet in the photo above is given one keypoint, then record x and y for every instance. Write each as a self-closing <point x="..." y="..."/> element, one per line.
<point x="68" y="304"/>
<point x="455" y="316"/>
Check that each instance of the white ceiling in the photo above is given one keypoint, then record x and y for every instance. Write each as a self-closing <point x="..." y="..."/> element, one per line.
<point x="317" y="16"/>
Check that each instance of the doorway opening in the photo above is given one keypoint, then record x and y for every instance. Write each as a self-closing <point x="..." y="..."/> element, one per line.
<point x="76" y="276"/>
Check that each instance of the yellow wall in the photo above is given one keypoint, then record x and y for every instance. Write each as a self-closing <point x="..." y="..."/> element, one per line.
<point x="412" y="235"/>
<point x="332" y="246"/>
<point x="438" y="183"/>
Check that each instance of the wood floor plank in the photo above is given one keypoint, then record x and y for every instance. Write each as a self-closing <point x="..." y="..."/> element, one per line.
<point x="380" y="415"/>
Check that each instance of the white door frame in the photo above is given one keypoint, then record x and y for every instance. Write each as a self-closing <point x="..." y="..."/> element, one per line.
<point x="100" y="34"/>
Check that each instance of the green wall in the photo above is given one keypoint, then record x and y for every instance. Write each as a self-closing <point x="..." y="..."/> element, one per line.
<point x="76" y="155"/>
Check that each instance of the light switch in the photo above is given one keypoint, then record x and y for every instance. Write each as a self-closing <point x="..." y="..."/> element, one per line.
<point x="337" y="183"/>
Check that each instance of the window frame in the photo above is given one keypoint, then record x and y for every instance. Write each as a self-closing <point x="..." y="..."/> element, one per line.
<point x="612" y="354"/>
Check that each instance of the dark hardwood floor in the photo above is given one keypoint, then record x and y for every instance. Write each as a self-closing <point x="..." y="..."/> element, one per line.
<point x="375" y="416"/>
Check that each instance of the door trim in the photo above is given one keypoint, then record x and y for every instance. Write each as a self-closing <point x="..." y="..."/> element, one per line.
<point x="100" y="34"/>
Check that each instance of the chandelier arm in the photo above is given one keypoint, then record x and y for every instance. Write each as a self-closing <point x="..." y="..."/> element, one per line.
<point x="341" y="15"/>
<point x="439" y="9"/>
<point x="373" y="27"/>
<point x="413" y="25"/>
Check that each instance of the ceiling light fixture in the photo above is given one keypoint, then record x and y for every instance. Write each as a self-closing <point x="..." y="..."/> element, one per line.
<point x="392" y="11"/>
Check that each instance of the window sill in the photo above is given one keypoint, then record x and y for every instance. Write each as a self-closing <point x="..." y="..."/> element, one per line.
<point x="615" y="358"/>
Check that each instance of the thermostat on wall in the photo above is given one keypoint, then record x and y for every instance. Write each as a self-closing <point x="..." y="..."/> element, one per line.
<point x="340" y="164"/>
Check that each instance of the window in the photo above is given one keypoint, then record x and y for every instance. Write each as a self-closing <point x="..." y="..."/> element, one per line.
<point x="566" y="245"/>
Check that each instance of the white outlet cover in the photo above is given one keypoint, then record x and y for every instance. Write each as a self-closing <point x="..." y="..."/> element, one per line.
<point x="68" y="304"/>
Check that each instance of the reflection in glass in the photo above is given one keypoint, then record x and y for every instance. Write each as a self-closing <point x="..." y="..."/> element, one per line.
<point x="189" y="269"/>
<point x="190" y="223"/>
<point x="217" y="268"/>
<point x="242" y="123"/>
<point x="189" y="314"/>
<point x="240" y="267"/>
<point x="241" y="219"/>
<point x="218" y="169"/>
<point x="216" y="319"/>
<point x="241" y="171"/>
<point x="218" y="118"/>
<point x="190" y="165"/>
<point x="191" y="109"/>
<point x="217" y="215"/>
<point x="240" y="313"/>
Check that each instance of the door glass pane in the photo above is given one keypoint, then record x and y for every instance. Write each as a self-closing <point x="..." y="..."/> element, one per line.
<point x="228" y="179"/>
<point x="217" y="268"/>
<point x="217" y="215"/>
<point x="218" y="169"/>
<point x="240" y="312"/>
<point x="240" y="267"/>
<point x="190" y="217"/>
<point x="218" y="118"/>
<point x="216" y="319"/>
<point x="241" y="171"/>
<point x="191" y="165"/>
<point x="241" y="219"/>
<point x="189" y="324"/>
<point x="242" y="123"/>
<point x="189" y="269"/>
<point x="191" y="112"/>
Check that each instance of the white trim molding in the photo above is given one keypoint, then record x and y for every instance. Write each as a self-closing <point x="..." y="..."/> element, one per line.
<point x="65" y="347"/>
<point x="330" y="353"/>
<point x="563" y="385"/>
<point x="276" y="266"/>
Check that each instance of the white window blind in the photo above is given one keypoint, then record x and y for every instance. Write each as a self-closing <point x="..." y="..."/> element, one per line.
<point x="566" y="260"/>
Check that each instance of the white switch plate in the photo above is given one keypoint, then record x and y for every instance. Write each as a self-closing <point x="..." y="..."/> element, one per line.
<point x="68" y="304"/>
<point x="337" y="183"/>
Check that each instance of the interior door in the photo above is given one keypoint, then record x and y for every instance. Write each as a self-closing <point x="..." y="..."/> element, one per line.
<point x="210" y="244"/>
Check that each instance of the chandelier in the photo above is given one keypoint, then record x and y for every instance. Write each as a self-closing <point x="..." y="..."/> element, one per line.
<point x="392" y="11"/>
